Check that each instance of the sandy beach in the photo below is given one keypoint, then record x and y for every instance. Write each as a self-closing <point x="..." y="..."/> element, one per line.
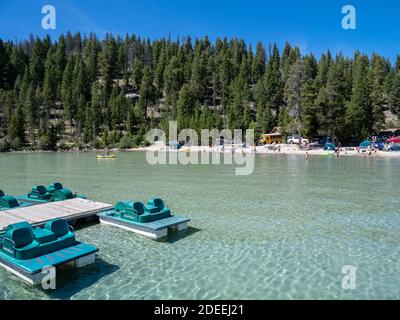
<point x="285" y="149"/>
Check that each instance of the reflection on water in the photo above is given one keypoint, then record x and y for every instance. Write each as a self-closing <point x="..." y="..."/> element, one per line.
<point x="284" y="232"/>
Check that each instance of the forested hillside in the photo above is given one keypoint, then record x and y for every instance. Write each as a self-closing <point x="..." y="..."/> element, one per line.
<point x="80" y="91"/>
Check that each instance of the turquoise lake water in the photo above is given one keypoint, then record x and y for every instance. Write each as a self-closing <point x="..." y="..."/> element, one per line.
<point x="284" y="232"/>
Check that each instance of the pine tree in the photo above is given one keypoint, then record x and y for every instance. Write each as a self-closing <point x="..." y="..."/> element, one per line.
<point x="173" y="78"/>
<point x="81" y="115"/>
<point x="273" y="81"/>
<point x="50" y="85"/>
<point x="23" y="87"/>
<point x="37" y="63"/>
<point x="238" y="104"/>
<point x="293" y="89"/>
<point x="289" y="57"/>
<point x="322" y="75"/>
<point x="309" y="116"/>
<point x="81" y="85"/>
<point x="31" y="112"/>
<point x="7" y="105"/>
<point x="60" y="61"/>
<point x="16" y="129"/>
<point x="380" y="69"/>
<point x="358" y="114"/>
<point x="90" y="57"/>
<point x="19" y="60"/>
<point x="131" y="120"/>
<point x="225" y="78"/>
<point x="198" y="76"/>
<point x="119" y="107"/>
<point x="159" y="73"/>
<point x="185" y="105"/>
<point x="137" y="73"/>
<point x="395" y="93"/>
<point x="258" y="64"/>
<point x="93" y="114"/>
<point x="66" y="90"/>
<point x="147" y="90"/>
<point x="5" y="68"/>
<point x="332" y="115"/>
<point x="108" y="64"/>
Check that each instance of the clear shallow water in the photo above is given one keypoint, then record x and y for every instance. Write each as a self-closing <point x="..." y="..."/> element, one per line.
<point x="284" y="232"/>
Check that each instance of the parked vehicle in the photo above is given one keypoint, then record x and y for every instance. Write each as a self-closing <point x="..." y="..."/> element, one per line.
<point x="394" y="147"/>
<point x="296" y="139"/>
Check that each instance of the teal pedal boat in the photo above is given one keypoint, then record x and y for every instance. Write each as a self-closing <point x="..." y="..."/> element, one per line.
<point x="152" y="220"/>
<point x="54" y="192"/>
<point x="8" y="202"/>
<point x="25" y="251"/>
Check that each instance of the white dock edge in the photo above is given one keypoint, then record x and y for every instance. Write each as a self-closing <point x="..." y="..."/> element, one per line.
<point x="35" y="279"/>
<point x="148" y="233"/>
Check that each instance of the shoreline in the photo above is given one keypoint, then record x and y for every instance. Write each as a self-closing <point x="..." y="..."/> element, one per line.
<point x="284" y="150"/>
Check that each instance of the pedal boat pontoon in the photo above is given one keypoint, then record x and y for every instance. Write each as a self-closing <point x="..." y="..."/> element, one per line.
<point x="152" y="220"/>
<point x="25" y="251"/>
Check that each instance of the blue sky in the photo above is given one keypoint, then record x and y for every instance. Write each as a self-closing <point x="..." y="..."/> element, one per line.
<point x="312" y="25"/>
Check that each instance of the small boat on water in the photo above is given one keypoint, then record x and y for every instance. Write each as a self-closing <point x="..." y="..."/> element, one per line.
<point x="54" y="192"/>
<point x="152" y="220"/>
<point x="25" y="251"/>
<point x="110" y="156"/>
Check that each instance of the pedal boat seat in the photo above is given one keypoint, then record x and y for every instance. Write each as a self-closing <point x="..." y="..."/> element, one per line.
<point x="19" y="241"/>
<point x="54" y="187"/>
<point x="39" y="192"/>
<point x="8" y="202"/>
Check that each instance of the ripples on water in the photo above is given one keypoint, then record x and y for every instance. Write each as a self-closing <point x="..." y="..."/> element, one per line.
<point x="284" y="232"/>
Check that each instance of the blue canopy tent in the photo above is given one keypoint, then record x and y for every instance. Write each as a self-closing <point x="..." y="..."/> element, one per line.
<point x="365" y="144"/>
<point x="329" y="147"/>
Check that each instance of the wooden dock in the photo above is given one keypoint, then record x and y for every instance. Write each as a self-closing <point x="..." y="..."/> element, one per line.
<point x="38" y="215"/>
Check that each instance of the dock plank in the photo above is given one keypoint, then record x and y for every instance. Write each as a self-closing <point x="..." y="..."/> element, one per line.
<point x="41" y="213"/>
